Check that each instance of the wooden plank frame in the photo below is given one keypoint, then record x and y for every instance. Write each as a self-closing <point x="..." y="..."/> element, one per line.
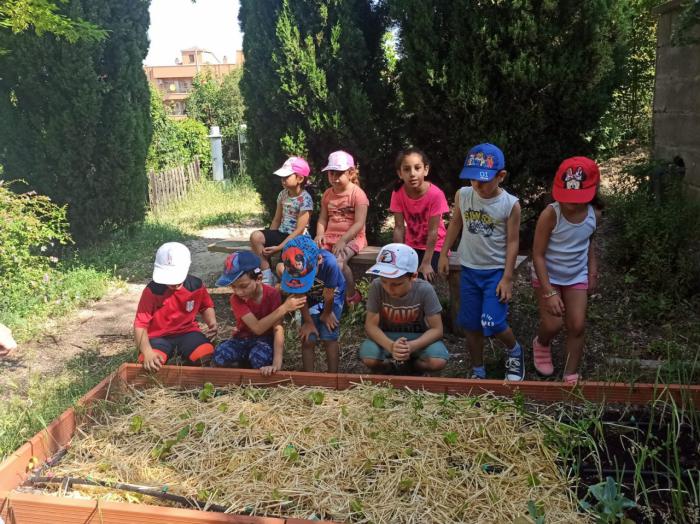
<point x="22" y="508"/>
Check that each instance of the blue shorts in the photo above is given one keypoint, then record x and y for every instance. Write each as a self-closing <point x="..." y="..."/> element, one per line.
<point x="256" y="351"/>
<point x="479" y="307"/>
<point x="370" y="349"/>
<point x="323" y="331"/>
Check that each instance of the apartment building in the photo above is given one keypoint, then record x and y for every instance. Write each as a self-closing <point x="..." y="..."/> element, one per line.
<point x="175" y="81"/>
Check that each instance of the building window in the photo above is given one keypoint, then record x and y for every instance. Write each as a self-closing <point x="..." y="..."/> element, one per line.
<point x="191" y="58"/>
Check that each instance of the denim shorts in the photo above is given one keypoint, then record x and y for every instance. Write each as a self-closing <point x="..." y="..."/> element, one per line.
<point x="370" y="349"/>
<point x="323" y="331"/>
<point x="479" y="307"/>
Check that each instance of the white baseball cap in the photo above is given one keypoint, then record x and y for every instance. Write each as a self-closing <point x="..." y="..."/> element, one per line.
<point x="339" y="161"/>
<point x="395" y="260"/>
<point x="172" y="264"/>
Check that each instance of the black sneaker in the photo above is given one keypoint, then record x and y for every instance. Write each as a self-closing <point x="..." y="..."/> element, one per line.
<point x="515" y="367"/>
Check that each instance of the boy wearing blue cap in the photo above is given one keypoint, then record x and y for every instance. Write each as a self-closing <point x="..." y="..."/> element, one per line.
<point x="314" y="272"/>
<point x="489" y="219"/>
<point x="258" y="338"/>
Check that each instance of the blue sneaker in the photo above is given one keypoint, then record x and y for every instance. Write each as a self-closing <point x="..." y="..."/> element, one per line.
<point x="515" y="365"/>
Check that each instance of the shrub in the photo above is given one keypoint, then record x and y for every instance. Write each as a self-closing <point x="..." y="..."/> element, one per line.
<point x="656" y="236"/>
<point x="31" y="228"/>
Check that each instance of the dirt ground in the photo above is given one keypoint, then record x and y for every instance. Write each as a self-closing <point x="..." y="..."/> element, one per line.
<point x="104" y="327"/>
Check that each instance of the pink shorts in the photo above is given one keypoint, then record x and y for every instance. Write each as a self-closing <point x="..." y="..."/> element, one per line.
<point x="578" y="285"/>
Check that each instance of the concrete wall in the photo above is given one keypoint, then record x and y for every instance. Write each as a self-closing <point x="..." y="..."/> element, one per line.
<point x="677" y="97"/>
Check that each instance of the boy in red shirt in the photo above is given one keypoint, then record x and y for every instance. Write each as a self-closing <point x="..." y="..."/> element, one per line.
<point x="165" y="322"/>
<point x="258" y="338"/>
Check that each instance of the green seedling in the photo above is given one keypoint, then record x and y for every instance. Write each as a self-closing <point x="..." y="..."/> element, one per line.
<point x="450" y="438"/>
<point x="136" y="424"/>
<point x="316" y="397"/>
<point x="356" y="506"/>
<point x="243" y="420"/>
<point x="223" y="407"/>
<point x="334" y="443"/>
<point x="610" y="504"/>
<point x="183" y="433"/>
<point x="199" y="428"/>
<point x="533" y="480"/>
<point x="406" y="485"/>
<point x="379" y="401"/>
<point x="207" y="392"/>
<point x="536" y="512"/>
<point x="290" y="453"/>
<point x="184" y="416"/>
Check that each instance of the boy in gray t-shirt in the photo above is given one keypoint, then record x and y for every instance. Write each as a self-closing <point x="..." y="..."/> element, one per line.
<point x="403" y="320"/>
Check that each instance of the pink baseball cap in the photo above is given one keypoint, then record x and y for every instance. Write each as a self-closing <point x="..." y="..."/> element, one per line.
<point x="295" y="165"/>
<point x="339" y="161"/>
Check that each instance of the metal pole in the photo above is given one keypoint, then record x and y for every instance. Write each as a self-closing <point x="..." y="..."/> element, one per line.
<point x="217" y="157"/>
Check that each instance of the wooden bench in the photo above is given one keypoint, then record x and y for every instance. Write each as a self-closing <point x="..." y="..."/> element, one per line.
<point x="366" y="258"/>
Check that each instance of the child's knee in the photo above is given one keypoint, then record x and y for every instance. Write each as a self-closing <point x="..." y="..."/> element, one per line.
<point x="372" y="363"/>
<point x="433" y="364"/>
<point x="575" y="327"/>
<point x="257" y="237"/>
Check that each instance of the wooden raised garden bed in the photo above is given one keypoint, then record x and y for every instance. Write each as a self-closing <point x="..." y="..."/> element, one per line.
<point x="28" y="508"/>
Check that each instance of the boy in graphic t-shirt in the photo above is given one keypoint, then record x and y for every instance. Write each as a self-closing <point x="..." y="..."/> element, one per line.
<point x="403" y="319"/>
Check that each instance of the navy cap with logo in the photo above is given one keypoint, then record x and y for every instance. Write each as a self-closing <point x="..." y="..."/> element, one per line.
<point x="300" y="259"/>
<point x="236" y="265"/>
<point x="483" y="163"/>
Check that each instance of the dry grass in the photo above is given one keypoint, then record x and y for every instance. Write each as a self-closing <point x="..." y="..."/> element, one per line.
<point x="370" y="454"/>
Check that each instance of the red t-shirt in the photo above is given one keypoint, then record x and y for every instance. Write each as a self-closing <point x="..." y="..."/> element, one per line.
<point x="271" y="300"/>
<point x="164" y="312"/>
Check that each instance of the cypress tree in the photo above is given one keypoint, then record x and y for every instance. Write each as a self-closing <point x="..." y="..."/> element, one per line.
<point x="74" y="117"/>
<point x="533" y="77"/>
<point x="315" y="80"/>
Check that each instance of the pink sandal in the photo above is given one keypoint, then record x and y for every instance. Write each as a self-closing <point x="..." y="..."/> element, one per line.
<point x="543" y="358"/>
<point x="572" y="379"/>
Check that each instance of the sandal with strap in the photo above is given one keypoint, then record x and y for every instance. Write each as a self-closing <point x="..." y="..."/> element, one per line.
<point x="542" y="356"/>
<point x="572" y="379"/>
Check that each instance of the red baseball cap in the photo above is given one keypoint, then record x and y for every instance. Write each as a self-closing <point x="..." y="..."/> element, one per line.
<point x="576" y="180"/>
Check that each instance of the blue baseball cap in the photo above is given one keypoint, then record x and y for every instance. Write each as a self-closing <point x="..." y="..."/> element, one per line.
<point x="483" y="163"/>
<point x="300" y="259"/>
<point x="236" y="265"/>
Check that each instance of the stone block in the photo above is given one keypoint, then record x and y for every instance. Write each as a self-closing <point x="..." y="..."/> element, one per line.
<point x="676" y="130"/>
<point x="677" y="96"/>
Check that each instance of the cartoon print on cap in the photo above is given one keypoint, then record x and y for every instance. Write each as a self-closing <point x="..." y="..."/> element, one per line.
<point x="388" y="257"/>
<point x="293" y="259"/>
<point x="481" y="160"/>
<point x="573" y="180"/>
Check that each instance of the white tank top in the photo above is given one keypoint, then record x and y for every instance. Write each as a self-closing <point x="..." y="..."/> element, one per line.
<point x="567" y="253"/>
<point x="484" y="221"/>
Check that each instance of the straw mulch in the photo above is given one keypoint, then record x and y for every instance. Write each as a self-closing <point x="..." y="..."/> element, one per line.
<point x="370" y="454"/>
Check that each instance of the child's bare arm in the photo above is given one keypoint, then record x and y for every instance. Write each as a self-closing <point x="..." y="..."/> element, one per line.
<point x="263" y="325"/>
<point x="399" y="228"/>
<point x="543" y="231"/>
<point x="426" y="264"/>
<point x="375" y="333"/>
<point x="277" y="219"/>
<point x="504" y="290"/>
<point x="593" y="259"/>
<point x="453" y="230"/>
<point x="321" y="224"/>
<point x="209" y="317"/>
<point x="432" y="334"/>
<point x="151" y="360"/>
<point x="278" y="351"/>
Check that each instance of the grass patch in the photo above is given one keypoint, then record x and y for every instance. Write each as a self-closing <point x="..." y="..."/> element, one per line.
<point x="32" y="406"/>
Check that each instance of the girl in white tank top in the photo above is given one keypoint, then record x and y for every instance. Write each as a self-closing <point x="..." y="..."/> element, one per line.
<point x="565" y="268"/>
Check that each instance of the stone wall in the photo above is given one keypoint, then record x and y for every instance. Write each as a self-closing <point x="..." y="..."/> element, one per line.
<point x="677" y="97"/>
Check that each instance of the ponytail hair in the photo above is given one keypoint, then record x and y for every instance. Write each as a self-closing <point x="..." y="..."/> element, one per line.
<point x="411" y="150"/>
<point x="354" y="175"/>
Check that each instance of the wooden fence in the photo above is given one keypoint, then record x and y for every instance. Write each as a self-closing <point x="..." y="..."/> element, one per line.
<point x="171" y="185"/>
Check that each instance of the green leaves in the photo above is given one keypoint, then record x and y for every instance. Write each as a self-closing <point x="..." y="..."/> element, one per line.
<point x="316" y="397"/>
<point x="207" y="392"/>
